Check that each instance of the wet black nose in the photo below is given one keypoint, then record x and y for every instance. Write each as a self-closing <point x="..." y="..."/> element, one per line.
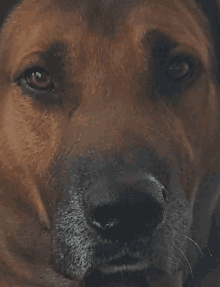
<point x="126" y="211"/>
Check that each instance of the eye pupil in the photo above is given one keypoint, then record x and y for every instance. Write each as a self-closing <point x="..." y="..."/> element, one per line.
<point x="38" y="79"/>
<point x="37" y="74"/>
<point x="179" y="69"/>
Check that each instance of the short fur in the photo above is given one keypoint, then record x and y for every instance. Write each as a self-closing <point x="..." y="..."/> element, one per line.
<point x="117" y="159"/>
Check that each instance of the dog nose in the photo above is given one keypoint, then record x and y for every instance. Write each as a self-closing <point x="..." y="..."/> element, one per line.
<point x="127" y="211"/>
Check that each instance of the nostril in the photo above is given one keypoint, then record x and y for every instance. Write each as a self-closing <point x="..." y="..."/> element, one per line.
<point x="124" y="220"/>
<point x="105" y="217"/>
<point x="103" y="223"/>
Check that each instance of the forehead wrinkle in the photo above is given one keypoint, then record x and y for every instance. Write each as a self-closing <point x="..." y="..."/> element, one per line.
<point x="39" y="35"/>
<point x="161" y="15"/>
<point x="69" y="27"/>
<point x="153" y="16"/>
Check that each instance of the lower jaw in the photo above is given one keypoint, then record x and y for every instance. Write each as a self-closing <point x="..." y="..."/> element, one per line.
<point x="118" y="279"/>
<point x="137" y="278"/>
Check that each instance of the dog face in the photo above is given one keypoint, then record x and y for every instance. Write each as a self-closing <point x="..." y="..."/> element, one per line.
<point x="109" y="131"/>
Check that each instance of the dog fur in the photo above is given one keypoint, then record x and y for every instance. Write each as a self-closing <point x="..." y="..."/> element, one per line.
<point x="109" y="143"/>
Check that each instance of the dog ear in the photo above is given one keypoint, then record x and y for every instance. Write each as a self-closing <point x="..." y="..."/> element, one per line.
<point x="211" y="9"/>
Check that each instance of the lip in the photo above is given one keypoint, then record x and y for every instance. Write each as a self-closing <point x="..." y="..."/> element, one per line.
<point x="108" y="269"/>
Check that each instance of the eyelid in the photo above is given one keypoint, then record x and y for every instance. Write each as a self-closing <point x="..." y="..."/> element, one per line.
<point x="184" y="50"/>
<point x="26" y="63"/>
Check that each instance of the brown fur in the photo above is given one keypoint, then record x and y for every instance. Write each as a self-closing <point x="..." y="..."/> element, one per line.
<point x="110" y="100"/>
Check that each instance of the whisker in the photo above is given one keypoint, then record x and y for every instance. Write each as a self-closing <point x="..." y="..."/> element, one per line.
<point x="186" y="260"/>
<point x="196" y="245"/>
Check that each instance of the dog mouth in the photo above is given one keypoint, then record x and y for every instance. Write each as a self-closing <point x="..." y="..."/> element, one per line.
<point x="135" y="274"/>
<point x="139" y="274"/>
<point x="126" y="270"/>
<point x="126" y="264"/>
<point x="120" y="272"/>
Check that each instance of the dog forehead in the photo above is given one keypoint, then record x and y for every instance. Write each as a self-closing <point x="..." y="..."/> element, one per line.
<point x="112" y="19"/>
<point x="105" y="15"/>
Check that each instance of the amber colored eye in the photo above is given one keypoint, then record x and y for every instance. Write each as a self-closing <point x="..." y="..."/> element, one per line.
<point x="179" y="69"/>
<point x="38" y="79"/>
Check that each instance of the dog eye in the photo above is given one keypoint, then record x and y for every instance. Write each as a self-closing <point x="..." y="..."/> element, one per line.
<point x="179" y="69"/>
<point x="38" y="79"/>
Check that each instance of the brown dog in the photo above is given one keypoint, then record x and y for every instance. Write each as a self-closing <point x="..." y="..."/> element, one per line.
<point x="109" y="144"/>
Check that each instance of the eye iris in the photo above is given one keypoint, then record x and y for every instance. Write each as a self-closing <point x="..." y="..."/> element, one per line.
<point x="38" y="79"/>
<point x="179" y="69"/>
